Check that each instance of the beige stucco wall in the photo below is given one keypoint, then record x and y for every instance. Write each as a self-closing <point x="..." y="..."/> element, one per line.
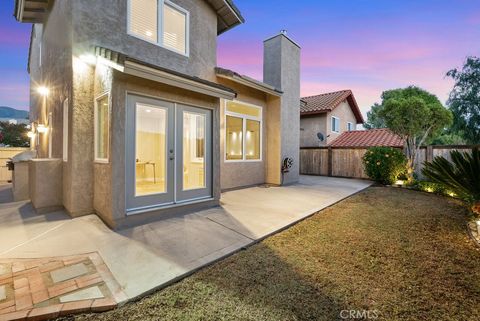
<point x="310" y="125"/>
<point x="94" y="25"/>
<point x="243" y="173"/>
<point x="344" y="112"/>
<point x="51" y="67"/>
<point x="123" y="84"/>
<point x="45" y="184"/>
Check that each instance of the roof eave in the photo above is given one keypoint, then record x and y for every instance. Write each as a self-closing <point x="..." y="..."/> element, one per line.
<point x="31" y="11"/>
<point x="247" y="81"/>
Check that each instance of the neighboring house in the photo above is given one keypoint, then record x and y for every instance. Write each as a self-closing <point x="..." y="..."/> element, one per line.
<point x="368" y="138"/>
<point x="135" y="119"/>
<point x="325" y="117"/>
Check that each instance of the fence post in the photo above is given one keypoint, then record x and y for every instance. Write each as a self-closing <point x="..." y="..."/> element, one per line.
<point x="330" y="161"/>
<point x="429" y="151"/>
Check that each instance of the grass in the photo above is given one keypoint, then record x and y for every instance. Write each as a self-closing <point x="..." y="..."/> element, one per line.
<point x="403" y="254"/>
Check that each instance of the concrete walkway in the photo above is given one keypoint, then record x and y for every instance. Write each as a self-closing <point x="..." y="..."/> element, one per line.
<point x="150" y="256"/>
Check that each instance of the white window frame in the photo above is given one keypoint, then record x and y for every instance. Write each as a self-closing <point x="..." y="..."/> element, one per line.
<point x="161" y="4"/>
<point x="65" y="130"/>
<point x="50" y="134"/>
<point x="350" y="125"/>
<point x="332" y="124"/>
<point x="95" y="132"/>
<point x="244" y="132"/>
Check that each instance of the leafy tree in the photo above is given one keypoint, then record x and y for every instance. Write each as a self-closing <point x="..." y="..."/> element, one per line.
<point x="14" y="135"/>
<point x="373" y="118"/>
<point x="448" y="137"/>
<point x="464" y="100"/>
<point x="415" y="115"/>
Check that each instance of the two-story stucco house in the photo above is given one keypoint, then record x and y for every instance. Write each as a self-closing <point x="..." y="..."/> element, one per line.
<point x="133" y="120"/>
<point x="324" y="117"/>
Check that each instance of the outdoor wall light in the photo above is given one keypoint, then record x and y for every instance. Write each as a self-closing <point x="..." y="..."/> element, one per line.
<point x="30" y="134"/>
<point x="44" y="91"/>
<point x="42" y="128"/>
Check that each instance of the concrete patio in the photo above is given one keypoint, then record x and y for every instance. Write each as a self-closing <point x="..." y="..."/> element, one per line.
<point x="147" y="257"/>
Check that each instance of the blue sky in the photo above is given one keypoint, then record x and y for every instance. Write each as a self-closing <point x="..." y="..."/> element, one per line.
<point x="364" y="45"/>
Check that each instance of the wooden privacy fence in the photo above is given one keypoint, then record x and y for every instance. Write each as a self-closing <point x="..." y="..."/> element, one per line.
<point x="5" y="154"/>
<point x="347" y="161"/>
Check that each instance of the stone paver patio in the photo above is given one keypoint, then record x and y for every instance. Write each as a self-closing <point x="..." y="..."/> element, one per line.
<point x="39" y="289"/>
<point x="147" y="257"/>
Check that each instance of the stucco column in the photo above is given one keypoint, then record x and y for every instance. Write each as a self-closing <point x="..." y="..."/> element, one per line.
<point x="282" y="70"/>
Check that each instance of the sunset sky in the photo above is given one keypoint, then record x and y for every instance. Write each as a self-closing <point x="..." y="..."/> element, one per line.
<point x="364" y="45"/>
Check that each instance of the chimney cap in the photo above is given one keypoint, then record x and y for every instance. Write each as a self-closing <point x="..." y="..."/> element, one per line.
<point x="283" y="32"/>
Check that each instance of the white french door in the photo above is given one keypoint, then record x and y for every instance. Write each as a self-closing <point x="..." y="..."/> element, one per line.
<point x="168" y="153"/>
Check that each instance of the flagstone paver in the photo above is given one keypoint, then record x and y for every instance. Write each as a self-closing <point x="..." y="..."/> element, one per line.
<point x="40" y="289"/>
<point x="68" y="272"/>
<point x="3" y="292"/>
<point x="85" y="294"/>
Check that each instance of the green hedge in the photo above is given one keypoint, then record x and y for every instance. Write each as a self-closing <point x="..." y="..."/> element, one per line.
<point x="385" y="165"/>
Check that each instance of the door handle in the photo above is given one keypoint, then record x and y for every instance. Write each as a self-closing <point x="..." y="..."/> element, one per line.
<point x="172" y="157"/>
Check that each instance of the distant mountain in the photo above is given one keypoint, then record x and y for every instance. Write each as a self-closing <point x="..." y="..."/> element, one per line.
<point x="12" y="113"/>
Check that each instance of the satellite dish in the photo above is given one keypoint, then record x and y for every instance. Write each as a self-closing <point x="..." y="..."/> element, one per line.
<point x="320" y="137"/>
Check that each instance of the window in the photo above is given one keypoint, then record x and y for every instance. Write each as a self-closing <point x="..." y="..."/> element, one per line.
<point x="65" y="130"/>
<point x="335" y="124"/>
<point x="243" y="124"/>
<point x="101" y="134"/>
<point x="160" y="22"/>
<point x="350" y="126"/>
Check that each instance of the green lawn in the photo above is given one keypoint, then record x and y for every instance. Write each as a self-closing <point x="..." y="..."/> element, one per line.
<point x="405" y="255"/>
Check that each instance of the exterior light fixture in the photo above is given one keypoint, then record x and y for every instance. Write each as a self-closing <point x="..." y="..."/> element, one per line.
<point x="42" y="128"/>
<point x="42" y="90"/>
<point x="399" y="182"/>
<point x="30" y="134"/>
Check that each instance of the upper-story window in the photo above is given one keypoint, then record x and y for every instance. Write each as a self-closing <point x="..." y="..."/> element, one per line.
<point x="350" y="126"/>
<point x="161" y="22"/>
<point x="335" y="124"/>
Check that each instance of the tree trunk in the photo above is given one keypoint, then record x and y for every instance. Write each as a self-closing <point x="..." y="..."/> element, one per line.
<point x="476" y="209"/>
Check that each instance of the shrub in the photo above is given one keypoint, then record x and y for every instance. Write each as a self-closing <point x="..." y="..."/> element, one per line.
<point x="430" y="187"/>
<point x="384" y="164"/>
<point x="461" y="176"/>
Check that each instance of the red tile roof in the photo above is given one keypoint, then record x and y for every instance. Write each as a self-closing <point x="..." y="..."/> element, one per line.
<point x="327" y="102"/>
<point x="368" y="138"/>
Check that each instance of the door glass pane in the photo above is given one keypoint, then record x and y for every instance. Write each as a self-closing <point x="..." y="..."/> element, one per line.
<point x="194" y="126"/>
<point x="143" y="19"/>
<point x="234" y="138"/>
<point x="174" y="29"/>
<point x="252" y="139"/>
<point x="151" y="150"/>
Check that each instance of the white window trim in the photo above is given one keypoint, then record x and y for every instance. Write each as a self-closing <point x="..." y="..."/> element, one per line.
<point x="244" y="118"/>
<point x="159" y="42"/>
<point x="331" y="124"/>
<point x="350" y="124"/>
<point x="95" y="116"/>
<point x="50" y="135"/>
<point x="65" y="129"/>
